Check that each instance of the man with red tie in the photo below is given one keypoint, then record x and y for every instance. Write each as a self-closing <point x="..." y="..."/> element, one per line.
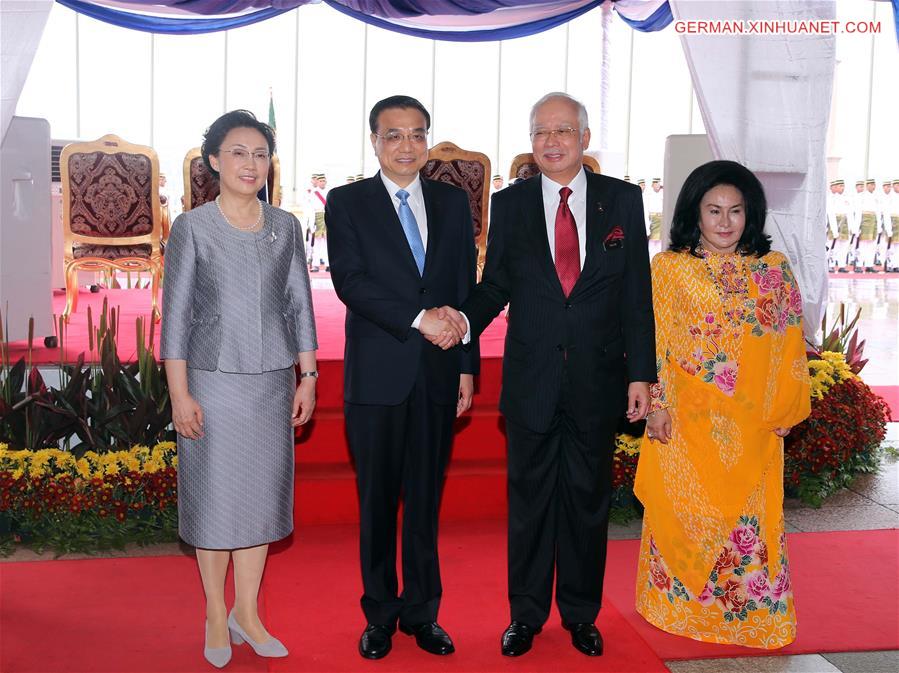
<point x="567" y="249"/>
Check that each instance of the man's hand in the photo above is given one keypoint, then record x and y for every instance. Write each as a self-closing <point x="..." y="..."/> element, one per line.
<point x="440" y="329"/>
<point x="637" y="401"/>
<point x="451" y="314"/>
<point x="466" y="391"/>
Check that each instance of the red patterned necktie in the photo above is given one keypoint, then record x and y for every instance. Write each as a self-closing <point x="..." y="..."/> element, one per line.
<point x="568" y="254"/>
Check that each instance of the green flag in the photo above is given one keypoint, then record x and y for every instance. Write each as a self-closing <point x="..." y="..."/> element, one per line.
<point x="271" y="110"/>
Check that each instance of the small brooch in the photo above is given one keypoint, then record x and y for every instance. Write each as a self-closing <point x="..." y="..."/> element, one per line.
<point x="273" y="237"/>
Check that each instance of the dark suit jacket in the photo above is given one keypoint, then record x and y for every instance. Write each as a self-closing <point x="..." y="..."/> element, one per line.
<point x="375" y="275"/>
<point x="601" y="336"/>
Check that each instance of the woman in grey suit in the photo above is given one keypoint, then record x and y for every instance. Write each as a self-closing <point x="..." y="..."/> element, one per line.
<point x="237" y="317"/>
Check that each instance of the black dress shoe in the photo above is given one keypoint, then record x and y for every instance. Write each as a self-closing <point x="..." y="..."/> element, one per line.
<point x="518" y="638"/>
<point x="586" y="638"/>
<point x="430" y="637"/>
<point x="375" y="641"/>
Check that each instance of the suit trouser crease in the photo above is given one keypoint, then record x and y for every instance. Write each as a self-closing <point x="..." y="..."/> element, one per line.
<point x="559" y="496"/>
<point x="400" y="451"/>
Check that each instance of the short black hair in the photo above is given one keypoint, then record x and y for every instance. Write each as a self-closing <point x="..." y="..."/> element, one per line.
<point x="685" y="233"/>
<point x="236" y="119"/>
<point x="402" y="102"/>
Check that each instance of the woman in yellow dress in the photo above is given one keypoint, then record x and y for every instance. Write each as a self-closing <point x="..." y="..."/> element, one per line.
<point x="733" y="380"/>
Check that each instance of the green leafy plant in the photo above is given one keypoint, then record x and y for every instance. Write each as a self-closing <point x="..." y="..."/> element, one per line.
<point x="842" y="337"/>
<point x="102" y="406"/>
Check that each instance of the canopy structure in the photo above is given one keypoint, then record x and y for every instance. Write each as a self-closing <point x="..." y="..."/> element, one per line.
<point x="458" y="20"/>
<point x="765" y="99"/>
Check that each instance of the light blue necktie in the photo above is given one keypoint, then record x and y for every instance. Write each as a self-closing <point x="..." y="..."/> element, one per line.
<point x="410" y="226"/>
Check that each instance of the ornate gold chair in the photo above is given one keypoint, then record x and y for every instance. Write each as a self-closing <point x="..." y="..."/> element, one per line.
<point x="112" y="218"/>
<point x="201" y="186"/>
<point x="470" y="171"/>
<point x="524" y="166"/>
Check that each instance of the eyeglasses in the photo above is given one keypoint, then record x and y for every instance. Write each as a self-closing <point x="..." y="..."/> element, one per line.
<point x="395" y="137"/>
<point x="543" y="135"/>
<point x="242" y="155"/>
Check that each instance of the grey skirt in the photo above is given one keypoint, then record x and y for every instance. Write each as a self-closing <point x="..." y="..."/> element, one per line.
<point x="235" y="484"/>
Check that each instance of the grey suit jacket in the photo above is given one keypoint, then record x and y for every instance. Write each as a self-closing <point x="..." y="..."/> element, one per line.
<point x="236" y="301"/>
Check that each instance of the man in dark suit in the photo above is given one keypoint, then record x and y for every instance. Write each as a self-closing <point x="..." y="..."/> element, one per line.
<point x="568" y="250"/>
<point x="400" y="245"/>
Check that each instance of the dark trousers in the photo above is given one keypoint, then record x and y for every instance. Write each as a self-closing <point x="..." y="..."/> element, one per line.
<point x="399" y="451"/>
<point x="560" y="485"/>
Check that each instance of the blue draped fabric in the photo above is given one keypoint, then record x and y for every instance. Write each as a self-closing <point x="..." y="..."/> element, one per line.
<point x="168" y="24"/>
<point x="207" y="15"/>
<point x="658" y="20"/>
<point x="487" y="35"/>
<point x="896" y="17"/>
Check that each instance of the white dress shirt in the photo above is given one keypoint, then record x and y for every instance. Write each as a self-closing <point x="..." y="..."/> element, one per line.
<point x="577" y="203"/>
<point x="416" y="201"/>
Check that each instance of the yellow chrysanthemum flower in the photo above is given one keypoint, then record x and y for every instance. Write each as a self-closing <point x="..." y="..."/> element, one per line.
<point x="627" y="444"/>
<point x="83" y="468"/>
<point x="17" y="473"/>
<point x="153" y="466"/>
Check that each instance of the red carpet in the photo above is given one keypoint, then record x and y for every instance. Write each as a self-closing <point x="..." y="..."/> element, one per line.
<point x="868" y="276"/>
<point x="891" y="395"/>
<point x="146" y="615"/>
<point x="846" y="586"/>
<point x="329" y="318"/>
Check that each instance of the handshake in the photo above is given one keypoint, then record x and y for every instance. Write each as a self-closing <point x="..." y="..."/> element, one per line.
<point x="444" y="327"/>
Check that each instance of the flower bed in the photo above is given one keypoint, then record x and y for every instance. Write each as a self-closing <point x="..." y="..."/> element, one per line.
<point x="52" y="499"/>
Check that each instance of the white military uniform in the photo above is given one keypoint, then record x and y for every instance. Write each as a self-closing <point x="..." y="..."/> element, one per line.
<point x="838" y="215"/>
<point x="867" y="214"/>
<point x="891" y="215"/>
<point x="652" y="210"/>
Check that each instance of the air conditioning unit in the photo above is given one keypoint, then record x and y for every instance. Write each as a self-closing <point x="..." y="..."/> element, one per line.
<point x="25" y="227"/>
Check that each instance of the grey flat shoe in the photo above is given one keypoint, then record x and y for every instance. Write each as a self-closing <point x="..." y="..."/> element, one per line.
<point x="217" y="656"/>
<point x="270" y="648"/>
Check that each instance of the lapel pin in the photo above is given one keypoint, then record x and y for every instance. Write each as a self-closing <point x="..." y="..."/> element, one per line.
<point x="599" y="207"/>
<point x="273" y="237"/>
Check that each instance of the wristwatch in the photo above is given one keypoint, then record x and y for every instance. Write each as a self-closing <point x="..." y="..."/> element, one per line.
<point x="313" y="374"/>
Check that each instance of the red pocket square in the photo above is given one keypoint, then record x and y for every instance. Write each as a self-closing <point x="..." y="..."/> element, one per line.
<point x="616" y="234"/>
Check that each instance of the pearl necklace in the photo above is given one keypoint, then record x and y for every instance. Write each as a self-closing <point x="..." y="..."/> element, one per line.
<point x="218" y="202"/>
<point x="734" y="293"/>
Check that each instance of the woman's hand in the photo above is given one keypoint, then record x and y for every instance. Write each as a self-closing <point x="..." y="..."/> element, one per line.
<point x="781" y="432"/>
<point x="187" y="416"/>
<point x="303" y="401"/>
<point x="658" y="426"/>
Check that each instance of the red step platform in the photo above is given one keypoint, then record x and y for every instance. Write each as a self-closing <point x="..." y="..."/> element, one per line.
<point x="325" y="482"/>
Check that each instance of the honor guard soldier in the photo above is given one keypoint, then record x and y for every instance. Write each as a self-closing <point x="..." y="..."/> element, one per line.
<point x="868" y="207"/>
<point x="652" y="201"/>
<point x="838" y="211"/>
<point x="892" y="216"/>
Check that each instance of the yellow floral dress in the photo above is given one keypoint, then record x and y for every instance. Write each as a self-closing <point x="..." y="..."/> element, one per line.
<point x="731" y="363"/>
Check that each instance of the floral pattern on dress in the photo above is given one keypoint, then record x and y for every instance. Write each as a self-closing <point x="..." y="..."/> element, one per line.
<point x="779" y="304"/>
<point x="739" y="584"/>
